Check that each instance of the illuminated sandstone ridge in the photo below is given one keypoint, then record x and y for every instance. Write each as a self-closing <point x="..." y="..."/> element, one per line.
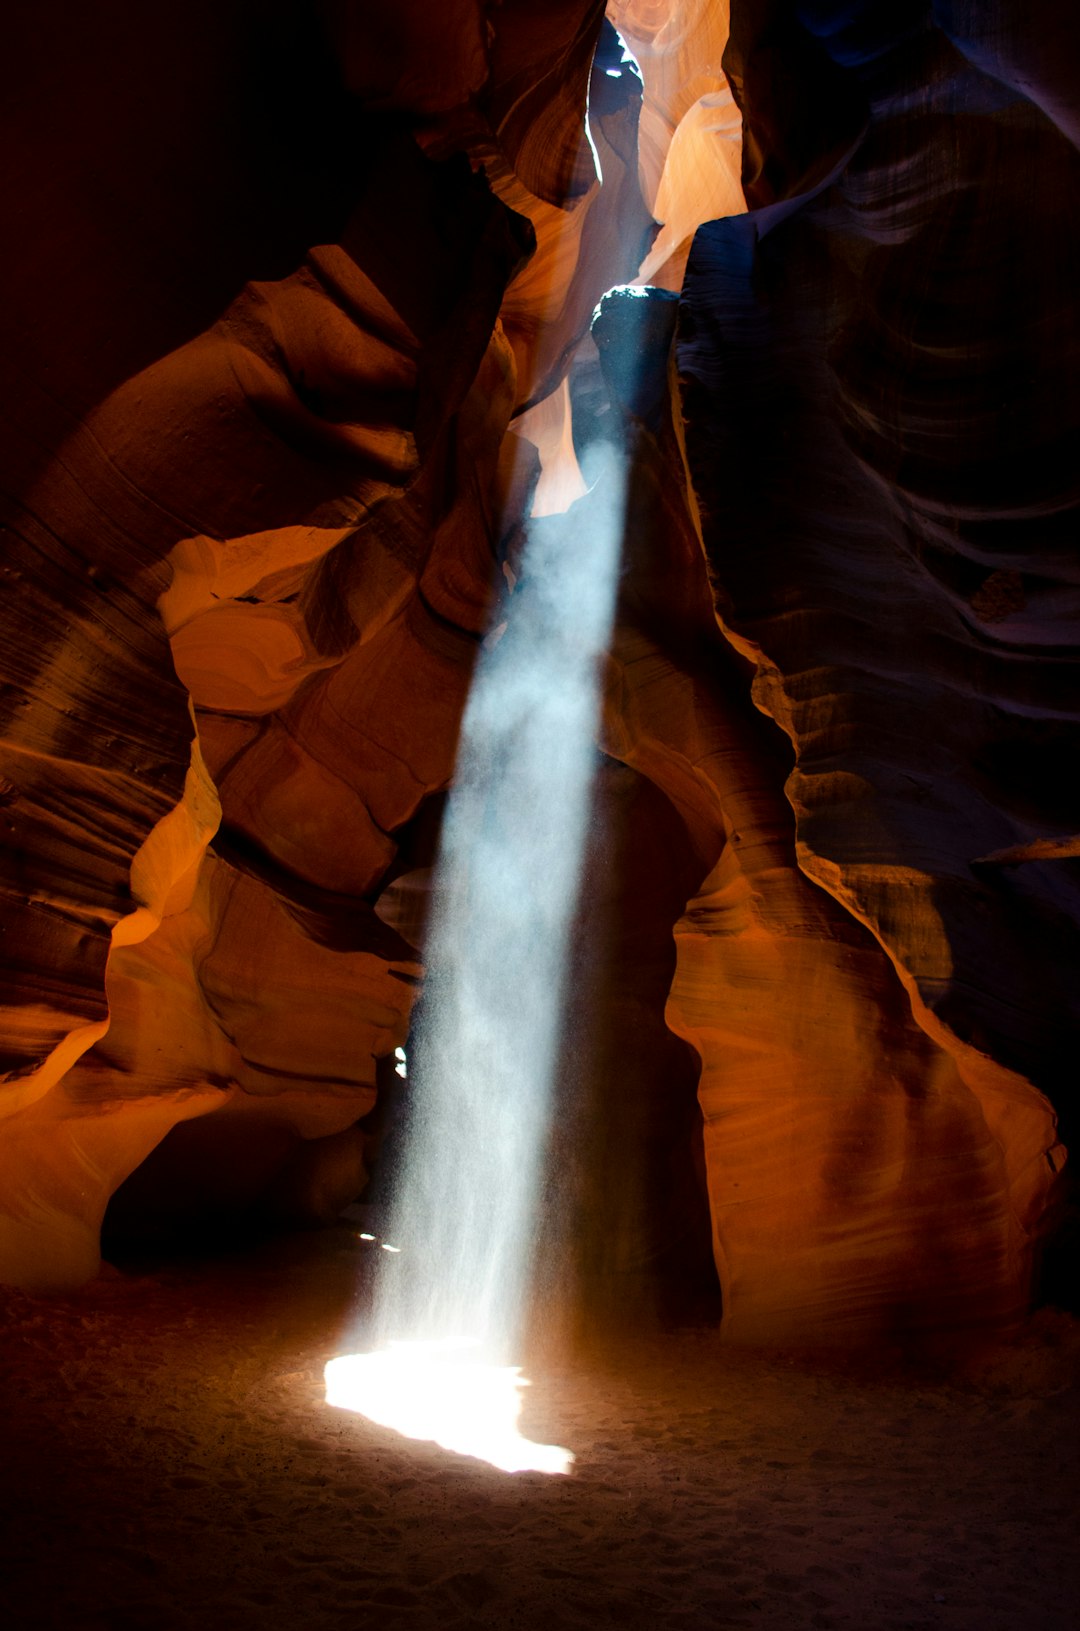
<point x="288" y="464"/>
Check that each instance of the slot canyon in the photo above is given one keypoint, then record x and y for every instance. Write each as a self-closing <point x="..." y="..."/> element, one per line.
<point x="340" y="337"/>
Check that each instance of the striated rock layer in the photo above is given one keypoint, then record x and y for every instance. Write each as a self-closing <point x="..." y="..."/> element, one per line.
<point x="305" y="495"/>
<point x="238" y="469"/>
<point x="262" y="469"/>
<point x="888" y="521"/>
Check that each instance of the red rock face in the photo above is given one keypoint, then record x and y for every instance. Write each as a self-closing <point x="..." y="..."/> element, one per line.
<point x="274" y="325"/>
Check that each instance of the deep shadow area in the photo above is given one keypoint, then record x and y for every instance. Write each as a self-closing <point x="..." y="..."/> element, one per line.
<point x="164" y="158"/>
<point x="624" y="1232"/>
<point x="170" y="1462"/>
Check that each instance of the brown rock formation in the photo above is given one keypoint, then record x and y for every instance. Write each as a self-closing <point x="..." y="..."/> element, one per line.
<point x="892" y="465"/>
<point x="259" y="478"/>
<point x="254" y="458"/>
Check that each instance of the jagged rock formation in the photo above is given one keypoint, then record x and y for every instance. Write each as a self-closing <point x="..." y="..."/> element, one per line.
<point x="262" y="478"/>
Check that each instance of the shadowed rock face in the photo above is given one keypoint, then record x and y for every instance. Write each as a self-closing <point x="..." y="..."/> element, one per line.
<point x="888" y="521"/>
<point x="273" y="325"/>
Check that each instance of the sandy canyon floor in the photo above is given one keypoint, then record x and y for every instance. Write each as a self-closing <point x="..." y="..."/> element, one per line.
<point x="169" y="1462"/>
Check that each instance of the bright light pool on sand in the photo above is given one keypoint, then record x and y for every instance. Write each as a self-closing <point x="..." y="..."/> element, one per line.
<point x="442" y="1392"/>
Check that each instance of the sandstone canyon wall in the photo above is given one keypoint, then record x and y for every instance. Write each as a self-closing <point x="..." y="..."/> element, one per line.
<point x="299" y="308"/>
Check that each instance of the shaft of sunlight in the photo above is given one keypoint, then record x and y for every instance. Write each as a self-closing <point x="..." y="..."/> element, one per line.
<point x="506" y="890"/>
<point x="449" y="1305"/>
<point x="450" y="1300"/>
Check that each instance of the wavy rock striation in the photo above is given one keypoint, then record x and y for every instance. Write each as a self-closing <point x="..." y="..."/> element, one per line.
<point x="257" y="460"/>
<point x="885" y="517"/>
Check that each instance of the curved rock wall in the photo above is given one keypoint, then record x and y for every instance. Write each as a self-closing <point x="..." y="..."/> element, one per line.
<point x="257" y="460"/>
<point x="886" y="522"/>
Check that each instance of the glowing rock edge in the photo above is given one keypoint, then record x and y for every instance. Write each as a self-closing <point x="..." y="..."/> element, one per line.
<point x="441" y="1391"/>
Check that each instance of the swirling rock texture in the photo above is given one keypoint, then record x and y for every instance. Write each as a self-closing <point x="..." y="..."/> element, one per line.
<point x="275" y="320"/>
<point x="889" y="519"/>
<point x="271" y="508"/>
<point x="690" y="143"/>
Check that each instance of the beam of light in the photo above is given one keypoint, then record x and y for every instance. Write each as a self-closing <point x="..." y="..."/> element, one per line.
<point x="506" y="892"/>
<point x="447" y="1314"/>
<point x="448" y="1309"/>
<point x="446" y="1317"/>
